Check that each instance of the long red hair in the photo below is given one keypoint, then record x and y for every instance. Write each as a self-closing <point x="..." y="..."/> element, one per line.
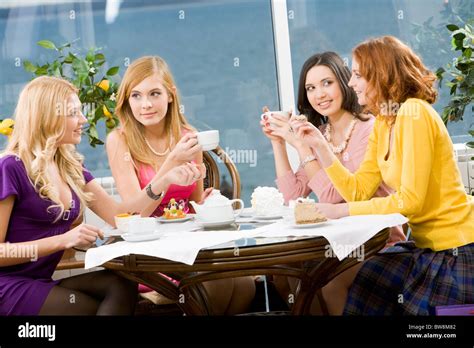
<point x="394" y="73"/>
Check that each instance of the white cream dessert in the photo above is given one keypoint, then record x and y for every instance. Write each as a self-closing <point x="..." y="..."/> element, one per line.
<point x="267" y="201"/>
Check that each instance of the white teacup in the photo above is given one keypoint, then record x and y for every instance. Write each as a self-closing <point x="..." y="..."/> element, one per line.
<point x="209" y="140"/>
<point x="142" y="225"/>
<point x="122" y="221"/>
<point x="269" y="115"/>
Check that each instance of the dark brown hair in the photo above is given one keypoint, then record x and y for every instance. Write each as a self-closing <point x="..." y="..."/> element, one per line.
<point x="343" y="75"/>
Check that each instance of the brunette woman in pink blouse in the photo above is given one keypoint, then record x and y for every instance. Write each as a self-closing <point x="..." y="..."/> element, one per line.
<point x="325" y="98"/>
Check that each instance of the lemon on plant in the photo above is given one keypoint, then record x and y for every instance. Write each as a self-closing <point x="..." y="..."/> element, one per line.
<point x="104" y="84"/>
<point x="106" y="112"/>
<point x="6" y="131"/>
<point x="6" y="126"/>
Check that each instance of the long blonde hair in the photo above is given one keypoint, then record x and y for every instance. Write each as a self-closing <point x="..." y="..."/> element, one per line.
<point x="35" y="139"/>
<point x="133" y="131"/>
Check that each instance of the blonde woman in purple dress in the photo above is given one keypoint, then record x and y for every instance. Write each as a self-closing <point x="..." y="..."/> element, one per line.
<point x="44" y="188"/>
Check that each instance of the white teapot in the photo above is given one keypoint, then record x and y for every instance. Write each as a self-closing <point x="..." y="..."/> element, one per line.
<point x="217" y="208"/>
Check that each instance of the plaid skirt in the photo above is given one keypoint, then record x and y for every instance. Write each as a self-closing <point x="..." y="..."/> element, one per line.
<point x="406" y="280"/>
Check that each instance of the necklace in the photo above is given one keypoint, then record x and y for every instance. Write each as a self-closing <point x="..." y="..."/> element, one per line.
<point x="342" y="146"/>
<point x="160" y="154"/>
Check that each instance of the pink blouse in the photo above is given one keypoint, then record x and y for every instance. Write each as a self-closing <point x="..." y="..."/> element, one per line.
<point x="294" y="185"/>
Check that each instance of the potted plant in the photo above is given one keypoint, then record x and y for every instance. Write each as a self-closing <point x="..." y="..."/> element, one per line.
<point x="96" y="91"/>
<point x="461" y="72"/>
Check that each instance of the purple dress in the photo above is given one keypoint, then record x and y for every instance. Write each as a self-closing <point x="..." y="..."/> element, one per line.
<point x="24" y="287"/>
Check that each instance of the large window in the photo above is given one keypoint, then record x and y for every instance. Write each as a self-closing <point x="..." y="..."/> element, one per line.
<point x="221" y="54"/>
<point x="339" y="25"/>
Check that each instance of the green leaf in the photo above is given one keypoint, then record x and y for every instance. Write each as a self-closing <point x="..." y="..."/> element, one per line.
<point x="41" y="71"/>
<point x="80" y="66"/>
<point x="70" y="58"/>
<point x="452" y="27"/>
<point x="471" y="132"/>
<point x="470" y="144"/>
<point x="112" y="71"/>
<point x="468" y="53"/>
<point x="57" y="72"/>
<point x="90" y="56"/>
<point x="453" y="89"/>
<point x="463" y="67"/>
<point x="99" y="56"/>
<point x="459" y="36"/>
<point x="29" y="66"/>
<point x="47" y="44"/>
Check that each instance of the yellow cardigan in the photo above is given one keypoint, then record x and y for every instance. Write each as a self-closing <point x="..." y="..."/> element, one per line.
<point x="421" y="169"/>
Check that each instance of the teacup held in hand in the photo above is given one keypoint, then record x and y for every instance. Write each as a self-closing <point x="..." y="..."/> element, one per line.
<point x="268" y="116"/>
<point x="209" y="140"/>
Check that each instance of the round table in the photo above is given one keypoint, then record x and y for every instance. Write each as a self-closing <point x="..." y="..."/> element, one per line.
<point x="307" y="258"/>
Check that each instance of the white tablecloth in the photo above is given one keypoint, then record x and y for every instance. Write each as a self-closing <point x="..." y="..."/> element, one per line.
<point x="182" y="242"/>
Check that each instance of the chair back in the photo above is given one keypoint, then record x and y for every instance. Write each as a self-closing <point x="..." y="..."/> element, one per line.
<point x="213" y="176"/>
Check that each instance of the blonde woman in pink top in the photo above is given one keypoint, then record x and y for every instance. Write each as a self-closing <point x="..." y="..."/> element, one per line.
<point x="325" y="98"/>
<point x="155" y="137"/>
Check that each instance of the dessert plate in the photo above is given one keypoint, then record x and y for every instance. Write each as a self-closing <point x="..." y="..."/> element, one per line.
<point x="315" y="224"/>
<point x="165" y="220"/>
<point x="141" y="237"/>
<point x="268" y="217"/>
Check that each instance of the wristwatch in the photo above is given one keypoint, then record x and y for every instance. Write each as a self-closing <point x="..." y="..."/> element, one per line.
<point x="308" y="159"/>
<point x="150" y="193"/>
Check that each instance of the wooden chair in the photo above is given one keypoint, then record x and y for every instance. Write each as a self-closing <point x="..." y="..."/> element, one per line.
<point x="212" y="171"/>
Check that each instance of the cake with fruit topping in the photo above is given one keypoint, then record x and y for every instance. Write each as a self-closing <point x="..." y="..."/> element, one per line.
<point x="173" y="211"/>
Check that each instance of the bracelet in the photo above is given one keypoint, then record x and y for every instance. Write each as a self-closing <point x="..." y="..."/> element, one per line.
<point x="308" y="159"/>
<point x="150" y="193"/>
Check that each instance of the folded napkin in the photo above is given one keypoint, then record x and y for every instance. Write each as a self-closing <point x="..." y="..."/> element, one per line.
<point x="344" y="235"/>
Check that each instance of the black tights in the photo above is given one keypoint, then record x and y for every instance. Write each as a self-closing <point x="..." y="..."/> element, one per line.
<point x="94" y="293"/>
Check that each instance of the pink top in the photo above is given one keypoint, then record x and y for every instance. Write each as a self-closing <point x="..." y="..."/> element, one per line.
<point x="180" y="193"/>
<point x="294" y="185"/>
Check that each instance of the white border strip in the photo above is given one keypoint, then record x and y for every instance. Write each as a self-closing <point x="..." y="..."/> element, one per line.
<point x="281" y="37"/>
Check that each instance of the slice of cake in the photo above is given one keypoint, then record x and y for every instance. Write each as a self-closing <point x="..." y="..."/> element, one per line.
<point x="306" y="213"/>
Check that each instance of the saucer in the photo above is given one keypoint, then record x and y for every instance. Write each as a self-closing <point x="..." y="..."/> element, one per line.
<point x="165" y="220"/>
<point x="141" y="237"/>
<point x="215" y="223"/>
<point x="109" y="231"/>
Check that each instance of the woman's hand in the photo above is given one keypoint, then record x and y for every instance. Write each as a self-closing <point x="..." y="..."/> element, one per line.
<point x="282" y="128"/>
<point x="267" y="131"/>
<point x="185" y="174"/>
<point x="186" y="149"/>
<point x="333" y="211"/>
<point x="207" y="192"/>
<point x="310" y="135"/>
<point x="81" y="236"/>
